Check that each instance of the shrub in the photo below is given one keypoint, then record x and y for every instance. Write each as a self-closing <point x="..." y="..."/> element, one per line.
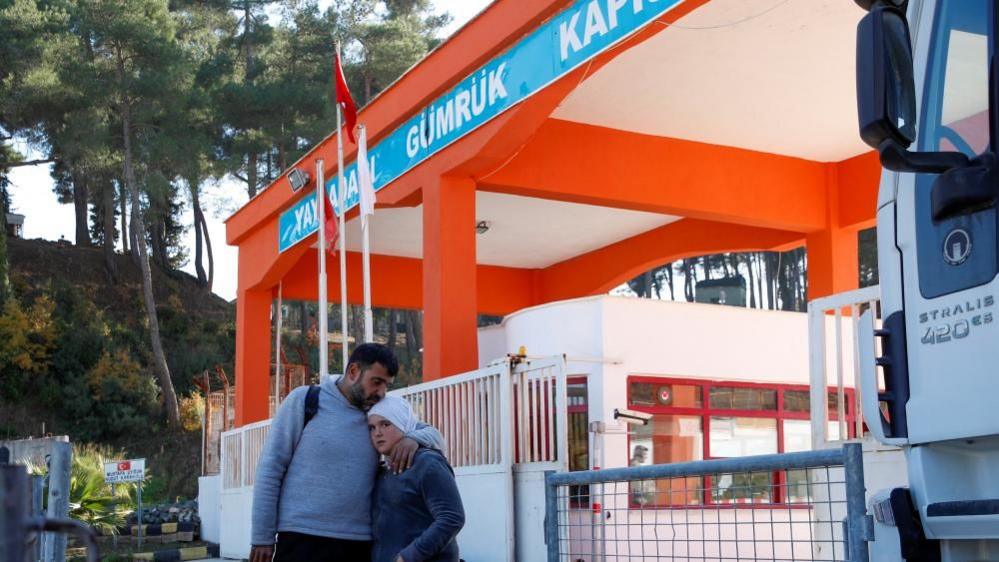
<point x="27" y="338"/>
<point x="119" y="397"/>
<point x="192" y="411"/>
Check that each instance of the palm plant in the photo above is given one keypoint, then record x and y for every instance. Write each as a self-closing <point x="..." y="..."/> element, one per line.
<point x="91" y="500"/>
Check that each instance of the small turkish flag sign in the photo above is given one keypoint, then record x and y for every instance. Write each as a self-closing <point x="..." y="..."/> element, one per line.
<point x="125" y="465"/>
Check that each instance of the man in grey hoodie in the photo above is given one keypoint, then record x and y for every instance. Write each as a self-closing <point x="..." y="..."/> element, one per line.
<point x="313" y="485"/>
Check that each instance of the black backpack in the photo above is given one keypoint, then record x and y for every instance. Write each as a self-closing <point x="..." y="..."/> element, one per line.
<point x="311" y="404"/>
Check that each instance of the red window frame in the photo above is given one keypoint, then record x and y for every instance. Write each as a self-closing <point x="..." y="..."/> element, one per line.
<point x="706" y="412"/>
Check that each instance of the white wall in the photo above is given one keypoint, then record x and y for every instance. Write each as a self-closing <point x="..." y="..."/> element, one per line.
<point x="695" y="340"/>
<point x="492" y="344"/>
<point x="209" y="507"/>
<point x="235" y="510"/>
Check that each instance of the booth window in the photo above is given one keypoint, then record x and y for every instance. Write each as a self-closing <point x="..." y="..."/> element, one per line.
<point x="579" y="436"/>
<point x="695" y="419"/>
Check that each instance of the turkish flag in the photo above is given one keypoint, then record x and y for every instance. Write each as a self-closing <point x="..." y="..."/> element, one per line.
<point x="125" y="466"/>
<point x="342" y="96"/>
<point x="332" y="228"/>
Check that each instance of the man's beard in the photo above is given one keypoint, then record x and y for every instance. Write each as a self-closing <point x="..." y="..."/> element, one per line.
<point x="355" y="393"/>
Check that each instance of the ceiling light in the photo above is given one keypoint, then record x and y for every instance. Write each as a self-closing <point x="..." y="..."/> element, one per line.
<point x="482" y="227"/>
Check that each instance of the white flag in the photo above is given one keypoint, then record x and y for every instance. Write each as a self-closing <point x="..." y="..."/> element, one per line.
<point x="366" y="182"/>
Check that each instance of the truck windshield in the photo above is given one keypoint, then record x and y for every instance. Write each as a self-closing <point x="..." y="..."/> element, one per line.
<point x="956" y="100"/>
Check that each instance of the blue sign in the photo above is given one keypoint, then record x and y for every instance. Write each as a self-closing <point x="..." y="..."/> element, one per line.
<point x="568" y="40"/>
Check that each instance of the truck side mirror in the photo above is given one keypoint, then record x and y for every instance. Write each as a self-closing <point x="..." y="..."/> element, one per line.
<point x="886" y="91"/>
<point x="886" y="94"/>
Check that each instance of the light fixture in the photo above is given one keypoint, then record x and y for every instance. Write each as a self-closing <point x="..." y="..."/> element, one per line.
<point x="298" y="179"/>
<point x="482" y="227"/>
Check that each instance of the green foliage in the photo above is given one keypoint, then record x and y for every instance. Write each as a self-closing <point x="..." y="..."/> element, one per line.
<point x="91" y="500"/>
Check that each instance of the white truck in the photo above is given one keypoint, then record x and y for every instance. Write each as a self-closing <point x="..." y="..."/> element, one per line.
<point x="927" y="89"/>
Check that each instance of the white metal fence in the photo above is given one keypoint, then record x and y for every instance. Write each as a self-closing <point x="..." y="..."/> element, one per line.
<point x="539" y="407"/>
<point x="834" y="363"/>
<point x="468" y="411"/>
<point x="241" y="448"/>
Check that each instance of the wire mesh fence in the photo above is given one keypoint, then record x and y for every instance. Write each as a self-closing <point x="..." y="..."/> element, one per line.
<point x="789" y="507"/>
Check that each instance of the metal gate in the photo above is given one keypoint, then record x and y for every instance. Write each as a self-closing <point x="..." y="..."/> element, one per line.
<point x="540" y="408"/>
<point x="807" y="506"/>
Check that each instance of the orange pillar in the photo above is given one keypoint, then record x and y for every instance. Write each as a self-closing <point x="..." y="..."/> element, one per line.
<point x="253" y="356"/>
<point x="450" y="333"/>
<point x="833" y="264"/>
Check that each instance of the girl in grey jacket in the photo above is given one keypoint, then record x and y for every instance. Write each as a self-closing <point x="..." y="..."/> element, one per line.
<point x="417" y="514"/>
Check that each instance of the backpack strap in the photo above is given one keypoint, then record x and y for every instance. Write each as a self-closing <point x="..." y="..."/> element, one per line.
<point x="311" y="404"/>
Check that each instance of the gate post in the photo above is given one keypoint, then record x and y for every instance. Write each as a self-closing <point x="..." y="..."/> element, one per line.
<point x="551" y="517"/>
<point x="856" y="503"/>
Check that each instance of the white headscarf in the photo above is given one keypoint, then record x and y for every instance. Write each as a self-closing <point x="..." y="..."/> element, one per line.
<point x="396" y="410"/>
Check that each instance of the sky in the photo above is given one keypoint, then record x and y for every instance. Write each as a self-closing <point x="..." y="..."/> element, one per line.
<point x="32" y="190"/>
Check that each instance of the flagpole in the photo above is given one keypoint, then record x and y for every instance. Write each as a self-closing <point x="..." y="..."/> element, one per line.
<point x="340" y="190"/>
<point x="369" y="331"/>
<point x="324" y="332"/>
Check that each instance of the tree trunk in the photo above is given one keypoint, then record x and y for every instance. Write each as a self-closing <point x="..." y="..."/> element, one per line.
<point x="647" y="281"/>
<point x="392" y="330"/>
<point x="159" y="358"/>
<point x="122" y="198"/>
<point x="282" y="154"/>
<point x="133" y="235"/>
<point x="357" y="324"/>
<point x="208" y="248"/>
<point x="251" y="174"/>
<point x="804" y="280"/>
<point x="414" y="335"/>
<point x="752" y="286"/>
<point x="107" y="198"/>
<point x="81" y="196"/>
<point x="689" y="277"/>
<point x="4" y="264"/>
<point x="154" y="242"/>
<point x="251" y="160"/>
<point x="759" y="276"/>
<point x="769" y="264"/>
<point x="669" y="279"/>
<point x="418" y="332"/>
<point x="192" y="184"/>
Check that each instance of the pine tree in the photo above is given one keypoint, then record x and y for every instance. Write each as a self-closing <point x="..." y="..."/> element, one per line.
<point x="139" y="63"/>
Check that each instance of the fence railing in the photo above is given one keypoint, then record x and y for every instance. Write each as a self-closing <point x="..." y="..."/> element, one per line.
<point x="241" y="448"/>
<point x="806" y="506"/>
<point x="832" y="361"/>
<point x="539" y="406"/>
<point x="468" y="411"/>
<point x="483" y="415"/>
<point x="506" y="413"/>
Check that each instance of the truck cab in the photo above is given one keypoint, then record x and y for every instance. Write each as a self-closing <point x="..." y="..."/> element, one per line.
<point x="927" y="89"/>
